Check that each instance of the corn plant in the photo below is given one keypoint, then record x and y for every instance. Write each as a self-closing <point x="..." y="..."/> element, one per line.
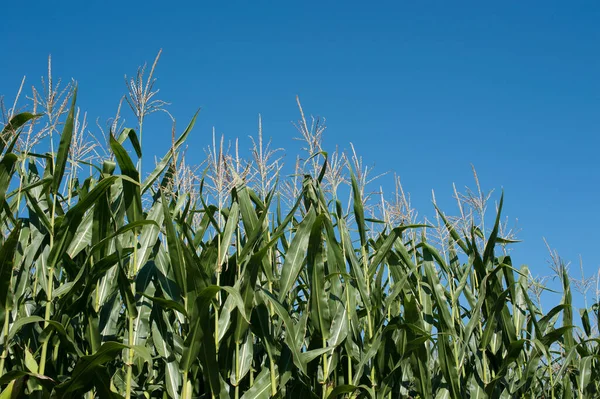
<point x="107" y="295"/>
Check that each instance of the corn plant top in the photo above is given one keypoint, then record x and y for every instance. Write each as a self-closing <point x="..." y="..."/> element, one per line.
<point x="126" y="286"/>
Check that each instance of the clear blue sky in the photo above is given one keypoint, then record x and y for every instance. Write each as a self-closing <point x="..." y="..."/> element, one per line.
<point x="422" y="88"/>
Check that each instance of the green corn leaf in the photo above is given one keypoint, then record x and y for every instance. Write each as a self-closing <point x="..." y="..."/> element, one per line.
<point x="230" y="226"/>
<point x="7" y="165"/>
<point x="295" y="256"/>
<point x="17" y="379"/>
<point x="162" y="336"/>
<point x="7" y="255"/>
<point x="488" y="253"/>
<point x="63" y="148"/>
<point x="319" y="301"/>
<point x="200" y="342"/>
<point x="70" y="223"/>
<point x="13" y="126"/>
<point x="131" y="187"/>
<point x="130" y="134"/>
<point x="290" y="329"/>
<point x="175" y="251"/>
<point x="261" y="389"/>
<point x="165" y="161"/>
<point x="359" y="212"/>
<point x="85" y="369"/>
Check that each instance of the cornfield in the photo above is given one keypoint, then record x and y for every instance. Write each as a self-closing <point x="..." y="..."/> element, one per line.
<point x="124" y="285"/>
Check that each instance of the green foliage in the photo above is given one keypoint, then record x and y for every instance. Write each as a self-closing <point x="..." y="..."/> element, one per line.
<point x="135" y="290"/>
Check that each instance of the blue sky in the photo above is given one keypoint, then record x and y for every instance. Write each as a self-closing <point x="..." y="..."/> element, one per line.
<point x="422" y="88"/>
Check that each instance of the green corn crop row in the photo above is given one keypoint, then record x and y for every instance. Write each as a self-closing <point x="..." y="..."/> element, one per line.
<point x="104" y="297"/>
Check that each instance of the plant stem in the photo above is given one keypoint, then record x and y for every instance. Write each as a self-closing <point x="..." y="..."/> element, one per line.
<point x="49" y="286"/>
<point x="348" y="310"/>
<point x="5" y="337"/>
<point x="325" y="371"/>
<point x="129" y="360"/>
<point x="131" y="337"/>
<point x="186" y="391"/>
<point x="369" y="320"/>
<point x="273" y="377"/>
<point x="46" y="319"/>
<point x="237" y="370"/>
<point x="216" y="307"/>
